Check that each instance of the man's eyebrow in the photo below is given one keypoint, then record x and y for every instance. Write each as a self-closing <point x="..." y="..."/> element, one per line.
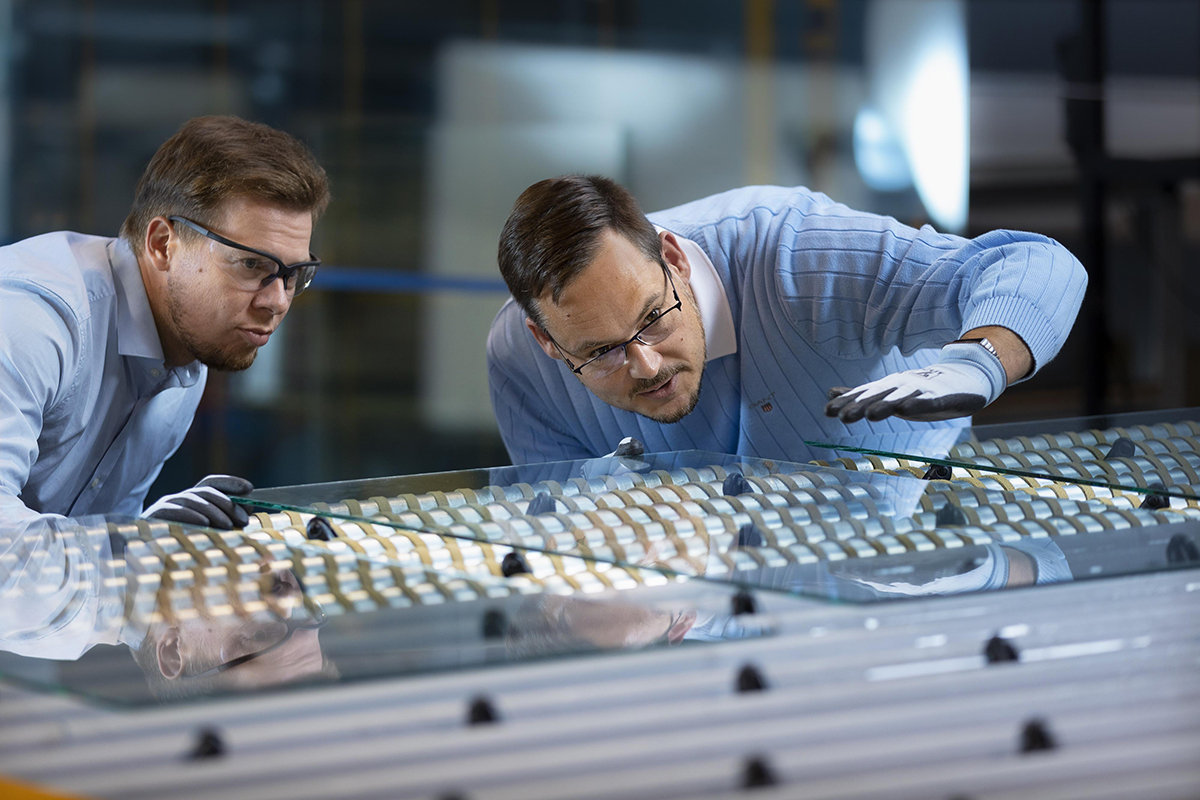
<point x="651" y="304"/>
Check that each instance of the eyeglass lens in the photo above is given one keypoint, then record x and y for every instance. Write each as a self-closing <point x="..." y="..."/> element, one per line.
<point x="654" y="333"/>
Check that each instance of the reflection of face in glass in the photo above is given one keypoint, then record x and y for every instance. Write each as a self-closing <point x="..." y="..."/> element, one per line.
<point x="274" y="641"/>
<point x="550" y="624"/>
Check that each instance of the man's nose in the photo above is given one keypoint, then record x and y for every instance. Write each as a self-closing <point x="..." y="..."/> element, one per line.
<point x="644" y="361"/>
<point x="274" y="297"/>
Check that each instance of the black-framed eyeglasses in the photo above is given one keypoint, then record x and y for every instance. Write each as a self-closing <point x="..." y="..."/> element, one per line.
<point x="254" y="274"/>
<point x="308" y="615"/>
<point x="613" y="357"/>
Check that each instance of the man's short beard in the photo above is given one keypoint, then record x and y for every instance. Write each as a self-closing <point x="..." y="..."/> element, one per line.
<point x="689" y="407"/>
<point x="666" y="374"/>
<point x="225" y="360"/>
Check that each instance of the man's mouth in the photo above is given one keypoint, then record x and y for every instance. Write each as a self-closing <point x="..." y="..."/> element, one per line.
<point x="256" y="336"/>
<point x="662" y="390"/>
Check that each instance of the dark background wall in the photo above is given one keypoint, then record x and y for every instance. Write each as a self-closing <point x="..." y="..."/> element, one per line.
<point x="93" y="87"/>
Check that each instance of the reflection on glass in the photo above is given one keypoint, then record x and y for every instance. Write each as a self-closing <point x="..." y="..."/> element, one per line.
<point x="553" y="624"/>
<point x="206" y="612"/>
<point x="829" y="533"/>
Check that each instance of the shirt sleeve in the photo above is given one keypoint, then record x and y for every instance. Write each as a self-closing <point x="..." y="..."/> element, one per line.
<point x="855" y="285"/>
<point x="522" y="398"/>
<point x="39" y="359"/>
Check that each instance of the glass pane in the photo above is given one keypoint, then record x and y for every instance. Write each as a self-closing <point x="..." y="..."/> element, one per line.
<point x="207" y="613"/>
<point x="802" y="529"/>
<point x="1150" y="456"/>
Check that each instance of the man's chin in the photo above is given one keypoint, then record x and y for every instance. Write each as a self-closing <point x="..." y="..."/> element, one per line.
<point x="228" y="361"/>
<point x="675" y="412"/>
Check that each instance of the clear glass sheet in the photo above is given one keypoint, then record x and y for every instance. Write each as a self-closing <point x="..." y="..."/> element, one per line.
<point x="137" y="612"/>
<point x="1152" y="456"/>
<point x="820" y="532"/>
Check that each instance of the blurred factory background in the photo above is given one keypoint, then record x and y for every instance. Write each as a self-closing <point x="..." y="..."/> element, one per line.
<point x="1072" y="118"/>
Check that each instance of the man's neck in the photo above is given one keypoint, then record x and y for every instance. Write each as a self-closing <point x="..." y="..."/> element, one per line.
<point x="175" y="354"/>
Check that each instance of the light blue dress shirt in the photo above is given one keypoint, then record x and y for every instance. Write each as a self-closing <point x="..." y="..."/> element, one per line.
<point x="88" y="409"/>
<point x="820" y="296"/>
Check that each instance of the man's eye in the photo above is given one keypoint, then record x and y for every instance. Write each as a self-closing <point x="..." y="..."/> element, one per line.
<point x="599" y="352"/>
<point x="256" y="265"/>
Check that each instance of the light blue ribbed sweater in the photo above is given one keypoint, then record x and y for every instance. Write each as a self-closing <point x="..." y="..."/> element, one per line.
<point x="821" y="296"/>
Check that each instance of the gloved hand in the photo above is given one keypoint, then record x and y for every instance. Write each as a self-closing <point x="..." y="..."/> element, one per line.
<point x="965" y="379"/>
<point x="207" y="503"/>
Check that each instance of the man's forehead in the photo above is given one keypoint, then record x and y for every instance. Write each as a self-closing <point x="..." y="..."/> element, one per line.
<point x="603" y="302"/>
<point x="264" y="225"/>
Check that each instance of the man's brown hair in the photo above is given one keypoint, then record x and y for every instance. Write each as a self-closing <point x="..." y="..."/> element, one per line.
<point x="213" y="159"/>
<point x="554" y="230"/>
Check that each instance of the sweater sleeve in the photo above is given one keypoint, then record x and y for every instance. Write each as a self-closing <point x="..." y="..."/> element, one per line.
<point x="522" y="396"/>
<point x="855" y="285"/>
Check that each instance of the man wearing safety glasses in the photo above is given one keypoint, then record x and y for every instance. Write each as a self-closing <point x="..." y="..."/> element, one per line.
<point x="105" y="343"/>
<point x="751" y="321"/>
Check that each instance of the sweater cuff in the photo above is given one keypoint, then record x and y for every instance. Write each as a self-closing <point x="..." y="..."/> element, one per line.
<point x="1025" y="320"/>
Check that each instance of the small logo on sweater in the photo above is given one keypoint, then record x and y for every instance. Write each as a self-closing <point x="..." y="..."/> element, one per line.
<point x="764" y="404"/>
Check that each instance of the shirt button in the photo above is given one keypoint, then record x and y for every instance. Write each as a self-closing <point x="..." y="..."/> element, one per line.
<point x="95" y="483"/>
<point x="156" y="372"/>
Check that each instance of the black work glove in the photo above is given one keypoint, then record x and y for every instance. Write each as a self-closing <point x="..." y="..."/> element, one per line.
<point x="207" y="503"/>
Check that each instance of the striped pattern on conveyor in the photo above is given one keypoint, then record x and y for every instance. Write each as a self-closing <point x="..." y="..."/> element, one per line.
<point x="1165" y="454"/>
<point x="893" y="700"/>
<point x="824" y="521"/>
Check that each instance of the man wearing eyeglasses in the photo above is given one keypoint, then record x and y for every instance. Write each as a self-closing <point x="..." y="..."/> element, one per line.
<point x="751" y="321"/>
<point x="105" y="343"/>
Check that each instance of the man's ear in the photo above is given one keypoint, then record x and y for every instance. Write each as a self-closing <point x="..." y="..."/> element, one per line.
<point x="543" y="339"/>
<point x="160" y="241"/>
<point x="170" y="654"/>
<point x="674" y="256"/>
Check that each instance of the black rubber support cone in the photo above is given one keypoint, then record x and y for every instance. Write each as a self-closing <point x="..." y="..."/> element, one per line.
<point x="514" y="564"/>
<point x="1000" y="651"/>
<point x="495" y="624"/>
<point x="749" y="536"/>
<point x="319" y="529"/>
<point x="758" y="773"/>
<point x="735" y="483"/>
<point x="1123" y="447"/>
<point x="1182" y="550"/>
<point x="208" y="745"/>
<point x="938" y="472"/>
<point x="481" y="712"/>
<point x="541" y="504"/>
<point x="749" y="679"/>
<point x="743" y="603"/>
<point x="629" y="447"/>
<point x="1036" y="736"/>
<point x="950" y="516"/>
<point x="1153" y="502"/>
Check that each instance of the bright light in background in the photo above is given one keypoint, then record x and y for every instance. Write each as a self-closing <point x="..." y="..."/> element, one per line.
<point x="919" y="80"/>
<point x="877" y="153"/>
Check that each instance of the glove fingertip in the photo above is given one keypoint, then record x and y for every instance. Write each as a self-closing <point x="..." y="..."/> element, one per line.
<point x="239" y="516"/>
<point x="837" y="391"/>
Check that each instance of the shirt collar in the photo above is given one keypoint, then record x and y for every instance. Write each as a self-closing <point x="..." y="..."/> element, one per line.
<point x="720" y="336"/>
<point x="137" y="335"/>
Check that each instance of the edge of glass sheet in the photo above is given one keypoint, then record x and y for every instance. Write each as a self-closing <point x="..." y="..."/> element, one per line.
<point x="1012" y="441"/>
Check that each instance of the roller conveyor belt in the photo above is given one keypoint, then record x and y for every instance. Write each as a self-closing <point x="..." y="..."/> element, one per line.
<point x="667" y="724"/>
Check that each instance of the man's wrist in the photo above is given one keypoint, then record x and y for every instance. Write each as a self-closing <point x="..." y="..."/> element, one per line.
<point x="1014" y="354"/>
